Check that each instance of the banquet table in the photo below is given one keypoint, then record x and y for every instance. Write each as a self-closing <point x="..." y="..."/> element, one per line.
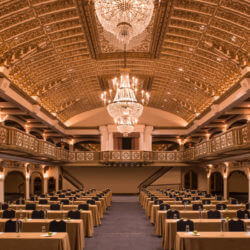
<point x="74" y="228"/>
<point x="162" y="214"/>
<point x="86" y="217"/>
<point x="93" y="208"/>
<point x="34" y="241"/>
<point x="213" y="240"/>
<point x="201" y="225"/>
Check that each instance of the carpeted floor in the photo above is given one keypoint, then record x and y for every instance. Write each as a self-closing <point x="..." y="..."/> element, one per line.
<point x="124" y="227"/>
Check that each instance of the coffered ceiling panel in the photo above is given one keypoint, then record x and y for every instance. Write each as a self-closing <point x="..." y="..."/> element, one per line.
<point x="192" y="52"/>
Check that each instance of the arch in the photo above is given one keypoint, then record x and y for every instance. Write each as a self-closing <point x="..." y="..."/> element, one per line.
<point x="240" y="192"/>
<point x="36" y="183"/>
<point x="14" y="185"/>
<point x="191" y="180"/>
<point x="83" y="145"/>
<point x="60" y="182"/>
<point x="63" y="144"/>
<point x="216" y="183"/>
<point x="49" y="139"/>
<point x="215" y="133"/>
<point x="36" y="134"/>
<point x="51" y="184"/>
<point x="162" y="145"/>
<point x="13" y="124"/>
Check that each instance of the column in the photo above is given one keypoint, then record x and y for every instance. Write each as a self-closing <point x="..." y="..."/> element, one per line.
<point x="27" y="189"/>
<point x="249" y="188"/>
<point x="148" y="138"/>
<point x="208" y="184"/>
<point x="225" y="188"/>
<point x="1" y="187"/>
<point x="45" y="184"/>
<point x="111" y="142"/>
<point x="141" y="141"/>
<point x="104" y="138"/>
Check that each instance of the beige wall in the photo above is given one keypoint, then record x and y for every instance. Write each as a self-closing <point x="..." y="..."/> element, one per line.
<point x="173" y="176"/>
<point x="238" y="183"/>
<point x="12" y="182"/>
<point x="118" y="179"/>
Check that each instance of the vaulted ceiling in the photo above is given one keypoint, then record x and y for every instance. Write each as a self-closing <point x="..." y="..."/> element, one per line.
<point x="193" y="52"/>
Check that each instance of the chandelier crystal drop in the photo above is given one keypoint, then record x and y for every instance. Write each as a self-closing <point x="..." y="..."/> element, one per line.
<point x="124" y="18"/>
<point x="123" y="106"/>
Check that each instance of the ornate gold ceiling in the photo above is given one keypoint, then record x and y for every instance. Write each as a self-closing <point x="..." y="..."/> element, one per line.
<point x="193" y="52"/>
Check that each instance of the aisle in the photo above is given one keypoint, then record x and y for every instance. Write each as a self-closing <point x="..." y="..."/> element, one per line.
<point x="124" y="227"/>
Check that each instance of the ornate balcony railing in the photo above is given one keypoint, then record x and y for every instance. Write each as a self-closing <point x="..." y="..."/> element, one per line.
<point x="233" y="139"/>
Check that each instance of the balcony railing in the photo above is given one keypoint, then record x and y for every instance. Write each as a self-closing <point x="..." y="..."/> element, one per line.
<point x="14" y="139"/>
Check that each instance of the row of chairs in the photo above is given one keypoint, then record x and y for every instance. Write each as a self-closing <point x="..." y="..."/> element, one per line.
<point x="211" y="214"/>
<point x="54" y="226"/>
<point x="233" y="225"/>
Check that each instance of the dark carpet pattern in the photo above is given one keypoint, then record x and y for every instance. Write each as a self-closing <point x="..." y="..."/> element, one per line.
<point x="124" y="227"/>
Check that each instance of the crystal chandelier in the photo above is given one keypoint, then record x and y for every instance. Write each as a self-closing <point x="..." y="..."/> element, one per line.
<point x="124" y="18"/>
<point x="121" y="100"/>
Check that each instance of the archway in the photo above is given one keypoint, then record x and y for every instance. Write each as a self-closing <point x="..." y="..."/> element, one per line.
<point x="238" y="185"/>
<point x="191" y="180"/>
<point x="216" y="184"/>
<point x="14" y="186"/>
<point x="51" y="185"/>
<point x="36" y="183"/>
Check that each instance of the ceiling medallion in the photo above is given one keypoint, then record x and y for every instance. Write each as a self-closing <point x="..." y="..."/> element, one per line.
<point x="125" y="19"/>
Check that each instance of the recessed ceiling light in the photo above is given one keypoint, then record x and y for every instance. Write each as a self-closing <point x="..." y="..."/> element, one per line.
<point x="197" y="114"/>
<point x="169" y="93"/>
<point x="165" y="100"/>
<point x="191" y="49"/>
<point x="16" y="38"/>
<point x="233" y="38"/>
<point x="180" y="69"/>
<point x="218" y="59"/>
<point x="202" y="27"/>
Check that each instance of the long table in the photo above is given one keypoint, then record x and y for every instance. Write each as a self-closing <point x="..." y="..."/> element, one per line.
<point x="201" y="225"/>
<point x="74" y="228"/>
<point x="34" y="241"/>
<point x="213" y="240"/>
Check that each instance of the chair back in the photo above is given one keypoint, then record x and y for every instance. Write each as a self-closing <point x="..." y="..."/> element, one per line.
<point x="5" y="206"/>
<point x="221" y="206"/>
<point x="92" y="202"/>
<point x="43" y="201"/>
<point x="243" y="214"/>
<point x="197" y="206"/>
<point x="164" y="207"/>
<point x="74" y="214"/>
<point x="18" y="202"/>
<point x="65" y="202"/>
<point x="182" y="225"/>
<point x="37" y="214"/>
<point x="206" y="202"/>
<point x="55" y="207"/>
<point x="83" y="206"/>
<point x="213" y="214"/>
<point x="30" y="206"/>
<point x="57" y="226"/>
<point x="9" y="214"/>
<point x="61" y="196"/>
<point x="236" y="226"/>
<point x="171" y="214"/>
<point x="54" y="198"/>
<point x="10" y="226"/>
<point x="186" y="202"/>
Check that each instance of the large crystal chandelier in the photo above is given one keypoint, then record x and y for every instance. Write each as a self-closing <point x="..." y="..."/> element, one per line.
<point x="124" y="18"/>
<point x="121" y="101"/>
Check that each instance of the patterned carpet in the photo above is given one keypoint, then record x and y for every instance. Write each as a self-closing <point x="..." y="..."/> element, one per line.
<point x="124" y="227"/>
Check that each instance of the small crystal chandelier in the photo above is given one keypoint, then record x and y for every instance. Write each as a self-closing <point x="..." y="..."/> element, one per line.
<point x="124" y="18"/>
<point x="123" y="106"/>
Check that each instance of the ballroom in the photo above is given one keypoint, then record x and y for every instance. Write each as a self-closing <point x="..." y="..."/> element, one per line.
<point x="124" y="125"/>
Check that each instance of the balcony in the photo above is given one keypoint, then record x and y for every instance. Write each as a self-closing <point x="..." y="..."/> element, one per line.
<point x="14" y="141"/>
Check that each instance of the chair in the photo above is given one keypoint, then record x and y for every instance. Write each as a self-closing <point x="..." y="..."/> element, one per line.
<point x="74" y="214"/>
<point x="247" y="206"/>
<point x="221" y="206"/>
<point x="57" y="226"/>
<point x="55" y="207"/>
<point x="213" y="214"/>
<point x="197" y="206"/>
<point x="42" y="196"/>
<point x="37" y="214"/>
<point x="186" y="202"/>
<point x="32" y="198"/>
<point x="92" y="202"/>
<point x="73" y="192"/>
<point x="83" y="194"/>
<point x="43" y="202"/>
<point x="20" y="202"/>
<point x="233" y="201"/>
<point x="178" y="198"/>
<point x="10" y="226"/>
<point x="171" y="214"/>
<point x="208" y="195"/>
<point x="9" y="214"/>
<point x="72" y="198"/>
<point x="182" y="225"/>
<point x="164" y="207"/>
<point x="61" y="196"/>
<point x="158" y="202"/>
<point x="236" y="226"/>
<point x="196" y="198"/>
<point x="243" y="214"/>
<point x="5" y="206"/>
<point x="219" y="198"/>
<point x="54" y="198"/>
<point x="206" y="202"/>
<point x="30" y="206"/>
<point x="68" y="194"/>
<point x="51" y="194"/>
<point x="83" y="206"/>
<point x="65" y="202"/>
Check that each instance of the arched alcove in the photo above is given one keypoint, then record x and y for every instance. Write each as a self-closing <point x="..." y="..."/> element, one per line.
<point x="191" y="180"/>
<point x="14" y="185"/>
<point x="36" y="183"/>
<point x="216" y="183"/>
<point x="238" y="123"/>
<point x="238" y="185"/>
<point x="51" y="185"/>
<point x="13" y="124"/>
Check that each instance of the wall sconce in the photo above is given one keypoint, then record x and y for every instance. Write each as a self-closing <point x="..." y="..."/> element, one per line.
<point x="207" y="136"/>
<point x="71" y="142"/>
<point x="27" y="175"/>
<point x="1" y="176"/>
<point x="44" y="136"/>
<point x="27" y="128"/>
<point x="45" y="175"/>
<point x="3" y="116"/>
